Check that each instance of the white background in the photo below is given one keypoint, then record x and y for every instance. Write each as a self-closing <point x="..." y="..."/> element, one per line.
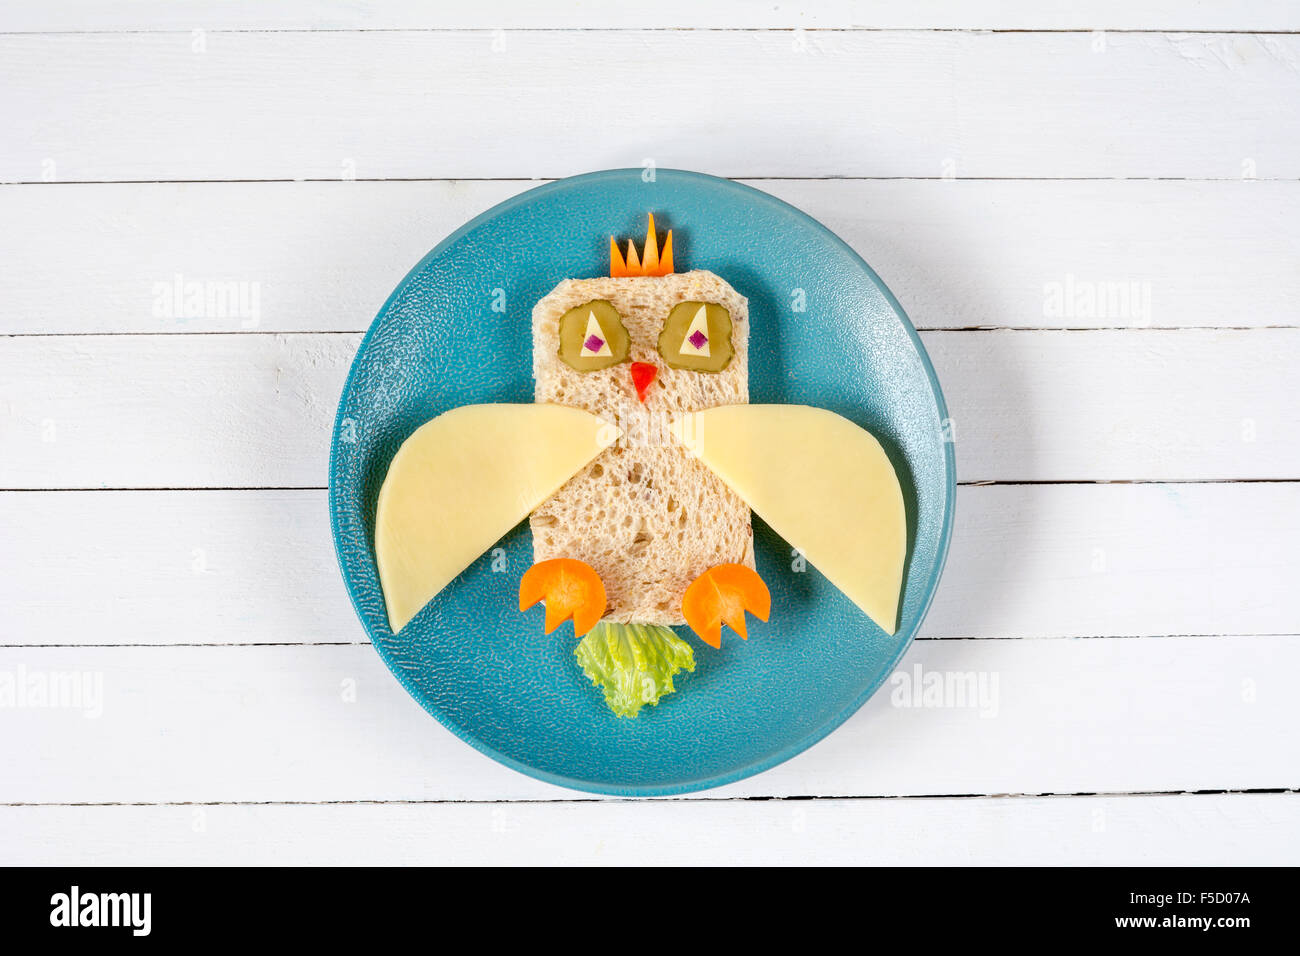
<point x="1124" y="561"/>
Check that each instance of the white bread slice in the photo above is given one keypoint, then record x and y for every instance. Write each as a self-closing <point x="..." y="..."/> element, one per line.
<point x="646" y="514"/>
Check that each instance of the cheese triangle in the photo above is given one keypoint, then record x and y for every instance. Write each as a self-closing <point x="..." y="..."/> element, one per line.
<point x="463" y="480"/>
<point x="700" y="326"/>
<point x="822" y="483"/>
<point x="594" y="330"/>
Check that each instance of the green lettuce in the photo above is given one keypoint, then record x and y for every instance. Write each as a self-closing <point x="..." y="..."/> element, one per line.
<point x="633" y="663"/>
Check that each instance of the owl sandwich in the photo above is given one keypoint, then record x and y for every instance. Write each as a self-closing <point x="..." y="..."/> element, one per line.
<point x="638" y="467"/>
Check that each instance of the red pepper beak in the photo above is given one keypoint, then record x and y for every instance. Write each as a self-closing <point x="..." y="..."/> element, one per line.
<point x="643" y="373"/>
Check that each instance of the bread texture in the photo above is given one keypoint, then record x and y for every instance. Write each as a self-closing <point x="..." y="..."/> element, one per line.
<point x="645" y="514"/>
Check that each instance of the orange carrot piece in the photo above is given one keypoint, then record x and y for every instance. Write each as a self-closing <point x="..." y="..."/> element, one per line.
<point x="650" y="257"/>
<point x="666" y="257"/>
<point x="570" y="588"/>
<point x="722" y="595"/>
<point x="617" y="267"/>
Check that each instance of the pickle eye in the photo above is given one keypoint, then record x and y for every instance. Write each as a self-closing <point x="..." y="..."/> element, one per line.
<point x="697" y="336"/>
<point x="592" y="337"/>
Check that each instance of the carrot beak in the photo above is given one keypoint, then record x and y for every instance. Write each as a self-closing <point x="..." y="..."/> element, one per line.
<point x="643" y="373"/>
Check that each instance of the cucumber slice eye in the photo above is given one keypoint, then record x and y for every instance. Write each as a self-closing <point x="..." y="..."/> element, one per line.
<point x="592" y="337"/>
<point x="697" y="336"/>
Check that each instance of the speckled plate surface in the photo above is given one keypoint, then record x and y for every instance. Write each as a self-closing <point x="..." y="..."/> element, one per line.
<point x="488" y="672"/>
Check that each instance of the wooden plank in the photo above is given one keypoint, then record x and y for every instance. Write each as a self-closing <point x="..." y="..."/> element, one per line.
<point x="210" y="567"/>
<point x="380" y="105"/>
<point x="1027" y="561"/>
<point x="520" y="14"/>
<point x="329" y="723"/>
<point x="324" y="256"/>
<point x="1125" y="559"/>
<point x="131" y="411"/>
<point x="1185" y="830"/>
<point x="307" y="256"/>
<point x="255" y="410"/>
<point x="1150" y="405"/>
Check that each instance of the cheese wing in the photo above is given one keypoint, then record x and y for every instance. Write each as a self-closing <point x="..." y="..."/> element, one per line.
<point x="822" y="483"/>
<point x="463" y="480"/>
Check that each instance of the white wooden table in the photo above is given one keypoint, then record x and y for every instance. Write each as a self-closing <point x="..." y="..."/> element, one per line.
<point x="1093" y="215"/>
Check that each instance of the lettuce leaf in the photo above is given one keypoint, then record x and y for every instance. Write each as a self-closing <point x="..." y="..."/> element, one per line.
<point x="633" y="663"/>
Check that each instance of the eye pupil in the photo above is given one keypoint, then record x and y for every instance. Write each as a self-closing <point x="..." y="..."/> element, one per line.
<point x="698" y="339"/>
<point x="593" y="343"/>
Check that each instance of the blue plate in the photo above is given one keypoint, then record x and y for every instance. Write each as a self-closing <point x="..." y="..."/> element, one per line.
<point x="824" y="331"/>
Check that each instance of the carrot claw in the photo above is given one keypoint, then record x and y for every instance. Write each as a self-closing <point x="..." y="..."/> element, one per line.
<point x="570" y="588"/>
<point x="722" y="595"/>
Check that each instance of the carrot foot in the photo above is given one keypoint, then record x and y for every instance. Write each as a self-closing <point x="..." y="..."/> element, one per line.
<point x="570" y="588"/>
<point x="722" y="595"/>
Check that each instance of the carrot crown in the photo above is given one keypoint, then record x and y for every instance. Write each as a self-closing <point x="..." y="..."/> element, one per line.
<point x="653" y="261"/>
